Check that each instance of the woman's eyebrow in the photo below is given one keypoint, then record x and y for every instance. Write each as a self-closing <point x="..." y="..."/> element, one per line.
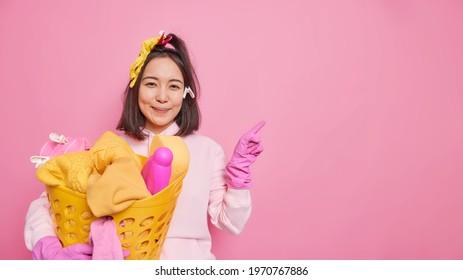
<point x="150" y="77"/>
<point x="155" y="78"/>
<point x="176" y="80"/>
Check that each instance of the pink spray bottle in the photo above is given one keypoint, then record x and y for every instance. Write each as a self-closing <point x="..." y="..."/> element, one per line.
<point x="157" y="170"/>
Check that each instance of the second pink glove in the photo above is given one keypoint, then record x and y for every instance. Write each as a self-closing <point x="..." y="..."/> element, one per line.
<point x="50" y="248"/>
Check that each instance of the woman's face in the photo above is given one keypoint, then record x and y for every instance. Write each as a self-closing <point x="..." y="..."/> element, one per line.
<point x="161" y="93"/>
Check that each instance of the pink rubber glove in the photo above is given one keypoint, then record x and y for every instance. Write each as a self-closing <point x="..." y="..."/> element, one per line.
<point x="49" y="248"/>
<point x="246" y="151"/>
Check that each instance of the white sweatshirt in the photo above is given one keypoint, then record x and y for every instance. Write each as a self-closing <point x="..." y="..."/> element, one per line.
<point x="204" y="192"/>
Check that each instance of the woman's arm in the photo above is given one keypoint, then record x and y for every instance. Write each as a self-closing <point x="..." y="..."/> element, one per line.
<point x="38" y="221"/>
<point x="229" y="208"/>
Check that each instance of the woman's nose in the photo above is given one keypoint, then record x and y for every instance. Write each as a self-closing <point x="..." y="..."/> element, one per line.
<point x="162" y="96"/>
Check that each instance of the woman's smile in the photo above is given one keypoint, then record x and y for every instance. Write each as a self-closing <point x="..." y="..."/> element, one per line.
<point x="161" y="110"/>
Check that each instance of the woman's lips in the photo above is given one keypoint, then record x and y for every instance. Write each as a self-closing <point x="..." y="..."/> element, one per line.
<point x="160" y="110"/>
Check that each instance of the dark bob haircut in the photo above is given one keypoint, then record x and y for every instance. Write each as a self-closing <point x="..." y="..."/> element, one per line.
<point x="132" y="121"/>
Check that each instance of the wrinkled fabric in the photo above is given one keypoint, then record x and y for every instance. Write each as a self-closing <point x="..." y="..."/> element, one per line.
<point x="103" y="236"/>
<point x="116" y="182"/>
<point x="136" y="67"/>
<point x="71" y="170"/>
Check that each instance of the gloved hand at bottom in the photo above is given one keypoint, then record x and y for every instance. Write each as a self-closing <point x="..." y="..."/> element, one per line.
<point x="50" y="248"/>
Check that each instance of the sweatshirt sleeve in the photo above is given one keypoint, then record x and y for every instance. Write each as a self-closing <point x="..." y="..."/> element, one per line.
<point x="38" y="221"/>
<point x="229" y="208"/>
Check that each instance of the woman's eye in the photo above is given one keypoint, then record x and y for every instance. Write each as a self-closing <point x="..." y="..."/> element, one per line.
<point x="174" y="87"/>
<point x="151" y="84"/>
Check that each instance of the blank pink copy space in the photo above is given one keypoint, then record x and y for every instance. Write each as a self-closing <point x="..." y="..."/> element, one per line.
<point x="363" y="102"/>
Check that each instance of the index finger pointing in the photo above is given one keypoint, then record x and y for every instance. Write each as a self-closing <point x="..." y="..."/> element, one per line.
<point x="256" y="128"/>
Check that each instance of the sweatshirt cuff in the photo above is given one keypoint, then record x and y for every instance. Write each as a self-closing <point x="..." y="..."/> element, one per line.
<point x="238" y="197"/>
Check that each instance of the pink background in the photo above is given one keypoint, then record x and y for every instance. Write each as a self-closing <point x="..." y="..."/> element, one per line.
<point x="363" y="102"/>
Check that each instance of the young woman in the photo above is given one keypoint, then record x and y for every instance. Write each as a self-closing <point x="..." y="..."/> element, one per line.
<point x="161" y="98"/>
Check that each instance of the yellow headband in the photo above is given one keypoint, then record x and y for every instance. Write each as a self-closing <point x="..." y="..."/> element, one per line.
<point x="147" y="47"/>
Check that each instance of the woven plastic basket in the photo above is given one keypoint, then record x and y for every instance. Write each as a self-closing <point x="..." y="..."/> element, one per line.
<point x="141" y="228"/>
